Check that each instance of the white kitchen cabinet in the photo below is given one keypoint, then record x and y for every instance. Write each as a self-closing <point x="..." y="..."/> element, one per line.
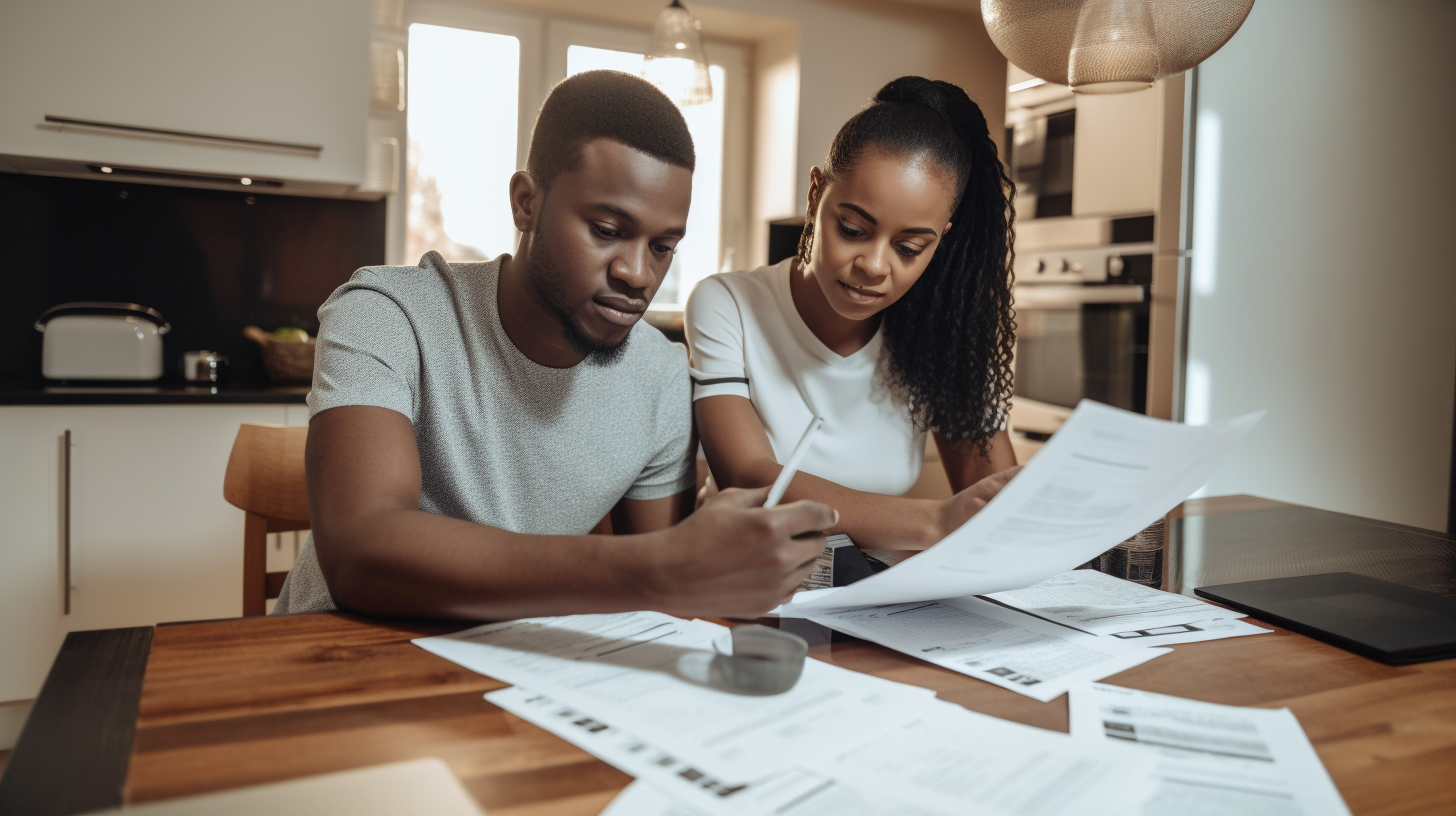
<point x="1114" y="169"/>
<point x="151" y="538"/>
<point x="277" y="71"/>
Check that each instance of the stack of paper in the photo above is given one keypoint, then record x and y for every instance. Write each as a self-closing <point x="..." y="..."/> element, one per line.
<point x="633" y="689"/>
<point x="1106" y="475"/>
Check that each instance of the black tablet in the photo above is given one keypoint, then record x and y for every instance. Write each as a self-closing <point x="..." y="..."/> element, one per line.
<point x="1388" y="622"/>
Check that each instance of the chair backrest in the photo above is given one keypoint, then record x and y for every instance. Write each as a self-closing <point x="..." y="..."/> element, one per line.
<point x="265" y="479"/>
<point x="265" y="472"/>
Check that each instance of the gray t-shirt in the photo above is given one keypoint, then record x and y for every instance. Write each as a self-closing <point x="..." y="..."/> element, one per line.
<point x="503" y="441"/>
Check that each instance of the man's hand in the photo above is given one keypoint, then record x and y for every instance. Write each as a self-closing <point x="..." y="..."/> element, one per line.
<point x="958" y="509"/>
<point x="733" y="558"/>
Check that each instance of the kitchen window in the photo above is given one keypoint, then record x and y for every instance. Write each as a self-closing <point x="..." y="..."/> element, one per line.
<point x="477" y="78"/>
<point x="464" y="101"/>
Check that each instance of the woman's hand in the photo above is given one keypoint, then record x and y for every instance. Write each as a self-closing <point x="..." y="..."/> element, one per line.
<point x="958" y="509"/>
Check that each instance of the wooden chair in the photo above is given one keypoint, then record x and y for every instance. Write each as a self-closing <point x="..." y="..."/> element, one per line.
<point x="265" y="480"/>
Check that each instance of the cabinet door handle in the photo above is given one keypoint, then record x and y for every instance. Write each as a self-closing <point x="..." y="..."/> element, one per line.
<point x="66" y="517"/>
<point x="213" y="138"/>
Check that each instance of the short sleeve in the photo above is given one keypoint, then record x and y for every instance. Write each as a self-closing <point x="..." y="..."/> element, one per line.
<point x="714" y="329"/>
<point x="673" y="467"/>
<point x="367" y="354"/>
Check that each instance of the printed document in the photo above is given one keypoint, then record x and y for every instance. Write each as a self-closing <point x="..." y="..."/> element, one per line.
<point x="1213" y="760"/>
<point x="1101" y="604"/>
<point x="1106" y="475"/>
<point x="962" y="762"/>
<point x="1104" y="605"/>
<point x="650" y="672"/>
<point x="938" y="760"/>
<point x="669" y="783"/>
<point x="988" y="642"/>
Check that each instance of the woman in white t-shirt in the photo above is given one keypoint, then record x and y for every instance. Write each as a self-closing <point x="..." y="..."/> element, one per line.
<point x="894" y="320"/>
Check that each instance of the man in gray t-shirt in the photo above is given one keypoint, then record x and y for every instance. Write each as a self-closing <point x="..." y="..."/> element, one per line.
<point x="471" y="423"/>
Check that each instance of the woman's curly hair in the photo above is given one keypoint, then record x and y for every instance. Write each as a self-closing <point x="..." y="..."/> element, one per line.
<point x="948" y="340"/>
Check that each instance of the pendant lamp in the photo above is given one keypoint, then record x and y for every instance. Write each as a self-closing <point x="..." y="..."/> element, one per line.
<point x="675" y="62"/>
<point x="1111" y="46"/>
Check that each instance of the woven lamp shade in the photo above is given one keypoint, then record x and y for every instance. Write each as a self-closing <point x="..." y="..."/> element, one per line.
<point x="675" y="61"/>
<point x="1111" y="46"/>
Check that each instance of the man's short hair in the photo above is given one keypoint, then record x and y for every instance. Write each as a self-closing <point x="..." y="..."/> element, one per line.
<point x="606" y="105"/>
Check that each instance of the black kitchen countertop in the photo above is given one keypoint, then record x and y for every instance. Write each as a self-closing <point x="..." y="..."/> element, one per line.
<point x="40" y="392"/>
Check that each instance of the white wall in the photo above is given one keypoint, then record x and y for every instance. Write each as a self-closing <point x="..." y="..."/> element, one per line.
<point x="775" y="170"/>
<point x="849" y="48"/>
<point x="1323" y="283"/>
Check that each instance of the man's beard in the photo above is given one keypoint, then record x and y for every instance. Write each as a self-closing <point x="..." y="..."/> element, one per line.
<point x="545" y="278"/>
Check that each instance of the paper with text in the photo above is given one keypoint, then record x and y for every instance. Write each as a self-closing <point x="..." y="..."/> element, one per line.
<point x="1101" y="604"/>
<point x="982" y="640"/>
<point x="650" y="670"/>
<point x="1106" y="475"/>
<point x="1213" y="760"/>
<point x="937" y="760"/>
<point x="669" y="783"/>
<point x="968" y="763"/>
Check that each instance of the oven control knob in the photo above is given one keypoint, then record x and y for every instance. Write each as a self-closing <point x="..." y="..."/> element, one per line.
<point x="1040" y="267"/>
<point x="1066" y="266"/>
<point x="1114" y="266"/>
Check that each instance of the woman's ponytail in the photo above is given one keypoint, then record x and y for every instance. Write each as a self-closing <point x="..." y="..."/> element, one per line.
<point x="948" y="340"/>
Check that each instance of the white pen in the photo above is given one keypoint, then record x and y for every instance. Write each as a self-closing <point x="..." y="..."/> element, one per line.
<point x="792" y="466"/>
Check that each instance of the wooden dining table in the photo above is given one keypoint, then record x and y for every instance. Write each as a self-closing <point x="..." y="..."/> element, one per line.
<point x="138" y="715"/>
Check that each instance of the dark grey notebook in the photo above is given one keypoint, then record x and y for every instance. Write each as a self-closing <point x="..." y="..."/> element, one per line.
<point x="1388" y="622"/>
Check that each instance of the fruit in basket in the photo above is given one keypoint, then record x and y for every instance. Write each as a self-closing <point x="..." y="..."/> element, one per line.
<point x="290" y="334"/>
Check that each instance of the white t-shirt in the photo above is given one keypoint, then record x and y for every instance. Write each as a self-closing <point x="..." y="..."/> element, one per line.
<point x="747" y="339"/>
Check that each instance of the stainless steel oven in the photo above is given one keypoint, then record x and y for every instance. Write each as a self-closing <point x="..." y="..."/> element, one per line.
<point x="1082" y="326"/>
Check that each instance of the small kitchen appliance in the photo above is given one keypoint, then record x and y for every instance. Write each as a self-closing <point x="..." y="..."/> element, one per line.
<point x="204" y="367"/>
<point x="102" y="341"/>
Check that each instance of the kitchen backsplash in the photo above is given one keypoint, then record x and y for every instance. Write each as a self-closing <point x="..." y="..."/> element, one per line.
<point x="211" y="262"/>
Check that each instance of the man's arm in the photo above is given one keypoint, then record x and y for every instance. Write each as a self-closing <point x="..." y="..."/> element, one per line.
<point x="382" y="555"/>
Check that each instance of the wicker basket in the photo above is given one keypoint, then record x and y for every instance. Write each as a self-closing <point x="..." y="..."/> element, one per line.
<point x="285" y="362"/>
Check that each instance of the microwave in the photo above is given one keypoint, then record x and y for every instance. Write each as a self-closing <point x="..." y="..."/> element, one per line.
<point x="1041" y="146"/>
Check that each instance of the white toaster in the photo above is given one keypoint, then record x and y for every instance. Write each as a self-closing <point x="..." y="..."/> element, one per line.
<point x="101" y="341"/>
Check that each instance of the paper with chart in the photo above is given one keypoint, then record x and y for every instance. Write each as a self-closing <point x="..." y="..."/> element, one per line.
<point x="671" y="784"/>
<point x="1212" y="759"/>
<point x="988" y="642"/>
<point x="1136" y="614"/>
<point x="650" y="671"/>
<point x="1103" y="477"/>
<point x="916" y="766"/>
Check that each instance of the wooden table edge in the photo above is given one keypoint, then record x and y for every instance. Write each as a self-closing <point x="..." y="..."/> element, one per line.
<point x="75" y="750"/>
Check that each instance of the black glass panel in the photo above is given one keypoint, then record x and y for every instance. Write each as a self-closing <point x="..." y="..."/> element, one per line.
<point x="210" y="261"/>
